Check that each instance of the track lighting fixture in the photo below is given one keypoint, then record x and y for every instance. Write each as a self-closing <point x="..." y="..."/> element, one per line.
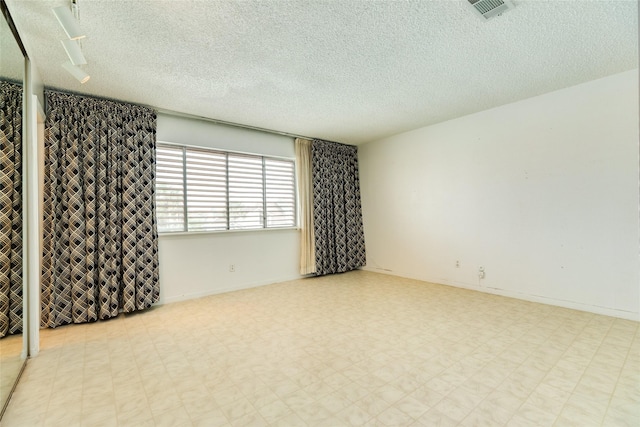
<point x="68" y="22"/>
<point x="73" y="52"/>
<point x="76" y="72"/>
<point x="68" y="19"/>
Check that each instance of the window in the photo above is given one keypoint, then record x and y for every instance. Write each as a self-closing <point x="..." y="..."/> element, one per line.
<point x="208" y="190"/>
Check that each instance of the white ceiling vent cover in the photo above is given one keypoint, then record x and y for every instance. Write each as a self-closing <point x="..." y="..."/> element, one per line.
<point x="490" y="8"/>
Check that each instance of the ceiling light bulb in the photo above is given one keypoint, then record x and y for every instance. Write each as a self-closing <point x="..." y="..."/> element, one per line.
<point x="73" y="52"/>
<point x="68" y="22"/>
<point x="76" y="72"/>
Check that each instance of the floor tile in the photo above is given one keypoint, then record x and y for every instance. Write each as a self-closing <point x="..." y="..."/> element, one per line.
<point x="357" y="349"/>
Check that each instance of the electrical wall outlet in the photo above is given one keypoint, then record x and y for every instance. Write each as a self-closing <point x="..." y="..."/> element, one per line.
<point x="232" y="268"/>
<point x="481" y="272"/>
<point x="457" y="264"/>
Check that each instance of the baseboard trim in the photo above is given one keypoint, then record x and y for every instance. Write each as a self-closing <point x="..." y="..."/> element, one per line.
<point x="606" y="311"/>
<point x="223" y="290"/>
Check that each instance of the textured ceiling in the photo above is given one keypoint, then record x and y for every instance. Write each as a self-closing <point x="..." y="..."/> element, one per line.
<point x="11" y="59"/>
<point x="349" y="71"/>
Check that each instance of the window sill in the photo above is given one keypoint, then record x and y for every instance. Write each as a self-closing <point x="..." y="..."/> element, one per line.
<point x="224" y="232"/>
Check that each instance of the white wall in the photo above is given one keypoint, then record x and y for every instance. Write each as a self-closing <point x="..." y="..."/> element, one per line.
<point x="542" y="193"/>
<point x="193" y="265"/>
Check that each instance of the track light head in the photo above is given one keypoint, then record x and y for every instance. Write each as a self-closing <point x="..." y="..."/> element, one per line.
<point x="68" y="22"/>
<point x="76" y="72"/>
<point x="73" y="52"/>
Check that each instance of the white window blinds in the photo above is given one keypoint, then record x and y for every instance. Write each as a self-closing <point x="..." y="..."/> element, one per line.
<point x="206" y="199"/>
<point x="208" y="190"/>
<point x="246" y="192"/>
<point x="170" y="189"/>
<point x="280" y="193"/>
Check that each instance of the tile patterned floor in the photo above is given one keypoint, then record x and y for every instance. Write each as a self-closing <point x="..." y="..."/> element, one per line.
<point x="11" y="363"/>
<point x="347" y="350"/>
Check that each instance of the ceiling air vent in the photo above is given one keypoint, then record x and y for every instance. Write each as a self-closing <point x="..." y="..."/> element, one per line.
<point x="490" y="8"/>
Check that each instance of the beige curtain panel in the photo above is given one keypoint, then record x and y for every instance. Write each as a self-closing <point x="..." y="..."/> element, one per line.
<point x="305" y="192"/>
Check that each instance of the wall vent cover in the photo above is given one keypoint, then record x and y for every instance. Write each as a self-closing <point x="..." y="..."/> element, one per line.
<point x="490" y="8"/>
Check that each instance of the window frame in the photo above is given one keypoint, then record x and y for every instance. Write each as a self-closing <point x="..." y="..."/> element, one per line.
<point x="263" y="157"/>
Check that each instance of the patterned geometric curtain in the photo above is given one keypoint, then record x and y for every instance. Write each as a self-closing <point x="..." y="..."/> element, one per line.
<point x="10" y="209"/>
<point x="337" y="213"/>
<point x="100" y="237"/>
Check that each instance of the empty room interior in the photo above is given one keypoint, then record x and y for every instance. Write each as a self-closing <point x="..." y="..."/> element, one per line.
<point x="319" y="213"/>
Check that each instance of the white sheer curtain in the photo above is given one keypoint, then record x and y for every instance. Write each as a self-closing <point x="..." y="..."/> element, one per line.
<point x="305" y="192"/>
